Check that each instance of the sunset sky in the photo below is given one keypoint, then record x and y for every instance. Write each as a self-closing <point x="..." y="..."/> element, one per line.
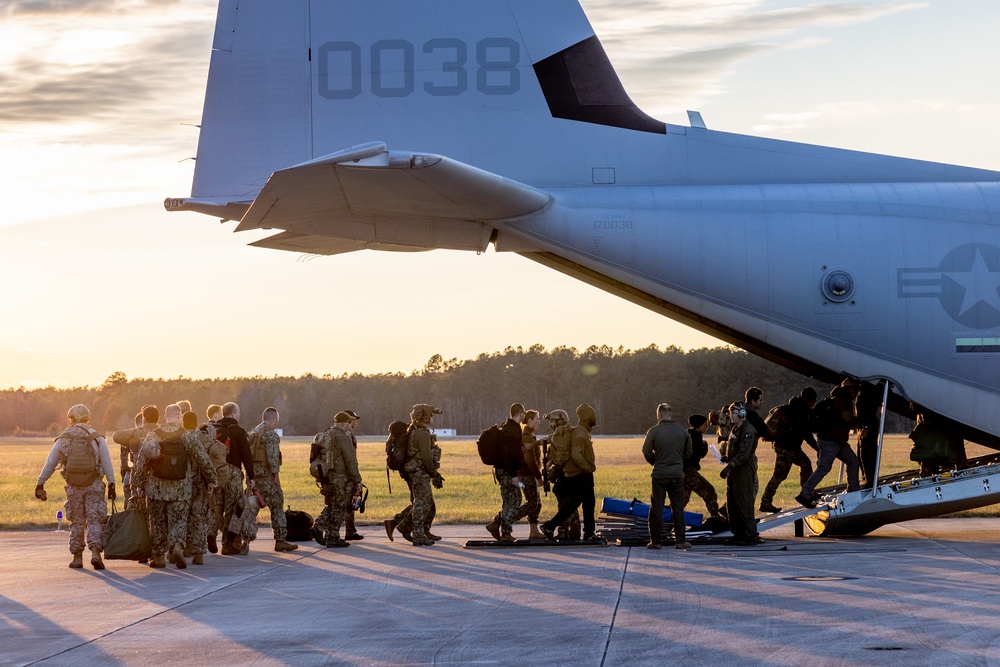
<point x="99" y="103"/>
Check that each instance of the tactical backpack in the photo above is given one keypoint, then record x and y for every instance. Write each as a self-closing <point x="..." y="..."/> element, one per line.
<point x="560" y="446"/>
<point x="258" y="452"/>
<point x="173" y="461"/>
<point x="488" y="444"/>
<point x="216" y="450"/>
<point x="222" y="434"/>
<point x="299" y="525"/>
<point x="397" y="445"/>
<point x="81" y="468"/>
<point x="315" y="457"/>
<point x="821" y="419"/>
<point x="779" y="421"/>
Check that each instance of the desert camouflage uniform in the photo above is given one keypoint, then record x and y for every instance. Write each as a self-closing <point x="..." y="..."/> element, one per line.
<point x="341" y="477"/>
<point x="85" y="505"/>
<point x="266" y="476"/>
<point x="404" y="520"/>
<point x="198" y="513"/>
<point x="168" y="500"/>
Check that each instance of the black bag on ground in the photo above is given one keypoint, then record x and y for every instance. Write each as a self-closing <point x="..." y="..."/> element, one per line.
<point x="299" y="525"/>
<point x="126" y="535"/>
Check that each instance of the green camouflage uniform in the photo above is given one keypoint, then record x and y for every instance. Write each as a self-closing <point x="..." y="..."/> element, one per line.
<point x="168" y="500"/>
<point x="265" y="474"/>
<point x="530" y="473"/>
<point x="421" y="467"/>
<point x="340" y="467"/>
<point x="85" y="505"/>
<point x="230" y="487"/>
<point x="131" y="440"/>
<point x="198" y="513"/>
<point x="404" y="520"/>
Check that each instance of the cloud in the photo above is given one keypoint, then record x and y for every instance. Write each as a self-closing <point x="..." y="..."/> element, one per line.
<point x="50" y="7"/>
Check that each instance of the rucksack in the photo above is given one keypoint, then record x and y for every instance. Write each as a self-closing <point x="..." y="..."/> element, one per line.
<point x="560" y="449"/>
<point x="222" y="434"/>
<point x="81" y="459"/>
<point x="173" y="461"/>
<point x="779" y="420"/>
<point x="299" y="525"/>
<point x="258" y="452"/>
<point x="396" y="446"/>
<point x="316" y="462"/>
<point x="821" y="419"/>
<point x="488" y="445"/>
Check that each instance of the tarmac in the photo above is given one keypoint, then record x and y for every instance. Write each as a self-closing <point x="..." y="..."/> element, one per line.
<point x="924" y="592"/>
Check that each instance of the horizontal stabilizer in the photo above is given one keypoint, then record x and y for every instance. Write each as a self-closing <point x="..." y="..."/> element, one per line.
<point x="373" y="196"/>
<point x="324" y="245"/>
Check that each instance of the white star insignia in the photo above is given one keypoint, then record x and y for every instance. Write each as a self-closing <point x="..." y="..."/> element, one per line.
<point x="980" y="284"/>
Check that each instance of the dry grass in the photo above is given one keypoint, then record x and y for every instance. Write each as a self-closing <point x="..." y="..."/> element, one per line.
<point x="469" y="494"/>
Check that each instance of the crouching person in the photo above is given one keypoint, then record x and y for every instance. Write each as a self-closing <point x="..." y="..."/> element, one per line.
<point x="161" y="476"/>
<point x="83" y="454"/>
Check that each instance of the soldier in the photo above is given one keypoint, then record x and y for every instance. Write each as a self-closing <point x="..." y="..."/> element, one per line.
<point x="788" y="446"/>
<point x="834" y="419"/>
<point x="868" y="409"/>
<point x="530" y="473"/>
<point x="350" y="530"/>
<point x="694" y="482"/>
<point x="559" y="421"/>
<point x="161" y="476"/>
<point x="214" y="413"/>
<point x="240" y="461"/>
<point x="227" y="493"/>
<point x="741" y="478"/>
<point x="131" y="440"/>
<point x="506" y="475"/>
<point x="202" y="484"/>
<point x="341" y="480"/>
<point x="578" y="476"/>
<point x="83" y="454"/>
<point x="666" y="447"/>
<point x="422" y="467"/>
<point x="265" y="447"/>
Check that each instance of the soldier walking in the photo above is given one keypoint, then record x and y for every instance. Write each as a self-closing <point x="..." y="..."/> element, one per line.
<point x="162" y="477"/>
<point x="560" y="434"/>
<point x="340" y="480"/>
<point x="505" y="473"/>
<point x="240" y="460"/>
<point x="83" y="454"/>
<point x="350" y="530"/>
<point x="422" y="468"/>
<point x="131" y="440"/>
<point x="578" y="476"/>
<point x="266" y="451"/>
<point x="530" y="474"/>
<point x="788" y="446"/>
<point x="199" y="512"/>
<point x="694" y="481"/>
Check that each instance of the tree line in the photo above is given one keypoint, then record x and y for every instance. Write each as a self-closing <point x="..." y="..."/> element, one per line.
<point x="624" y="386"/>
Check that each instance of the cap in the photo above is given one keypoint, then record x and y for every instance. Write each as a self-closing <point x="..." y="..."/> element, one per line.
<point x="584" y="411"/>
<point x="341" y="418"/>
<point x="558" y="414"/>
<point x="354" y="415"/>
<point x="78" y="412"/>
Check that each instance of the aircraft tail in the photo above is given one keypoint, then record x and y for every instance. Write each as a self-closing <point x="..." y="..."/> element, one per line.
<point x="513" y="87"/>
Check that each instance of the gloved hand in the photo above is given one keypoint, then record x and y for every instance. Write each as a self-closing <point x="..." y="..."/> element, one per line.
<point x="40" y="492"/>
<point x="724" y="473"/>
<point x="251" y="484"/>
<point x="112" y="494"/>
<point x="437" y="481"/>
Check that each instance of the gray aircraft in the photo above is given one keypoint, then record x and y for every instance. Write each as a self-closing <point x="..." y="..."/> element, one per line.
<point x="405" y="126"/>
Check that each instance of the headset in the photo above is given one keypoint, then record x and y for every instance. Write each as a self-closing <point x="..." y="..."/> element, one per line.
<point x="742" y="411"/>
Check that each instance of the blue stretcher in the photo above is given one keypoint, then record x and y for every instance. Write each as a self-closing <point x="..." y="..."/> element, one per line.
<point x="634" y="508"/>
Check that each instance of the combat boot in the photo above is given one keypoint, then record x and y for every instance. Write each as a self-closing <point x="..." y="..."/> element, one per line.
<point x="507" y="538"/>
<point x="245" y="548"/>
<point x="431" y="536"/>
<point x="769" y="507"/>
<point x="95" y="559"/>
<point x="77" y="561"/>
<point x="390" y="528"/>
<point x="534" y="533"/>
<point x="493" y="527"/>
<point x="318" y="536"/>
<point x="177" y="558"/>
<point x="158" y="561"/>
<point x="213" y="546"/>
<point x="422" y="542"/>
<point x="198" y="559"/>
<point x="335" y="542"/>
<point x="282" y="545"/>
<point x="683" y="545"/>
<point x="354" y="536"/>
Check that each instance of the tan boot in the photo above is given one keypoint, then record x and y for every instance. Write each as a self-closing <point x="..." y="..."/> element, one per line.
<point x="507" y="538"/>
<point x="390" y="527"/>
<point x="77" y="561"/>
<point x="431" y="536"/>
<point x="282" y="545"/>
<point x="177" y="558"/>
<point x="535" y="534"/>
<point x="493" y="527"/>
<point x="198" y="559"/>
<point x="158" y="560"/>
<point x="95" y="559"/>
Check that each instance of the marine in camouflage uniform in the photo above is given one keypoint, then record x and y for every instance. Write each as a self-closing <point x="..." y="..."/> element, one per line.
<point x="340" y="480"/>
<point x="791" y="429"/>
<point x="505" y="473"/>
<point x="130" y="440"/>
<point x="265" y="447"/>
<point x="530" y="474"/>
<point x="168" y="500"/>
<point x="694" y="481"/>
<point x="422" y="467"/>
<point x="572" y="528"/>
<point x="198" y="513"/>
<point x="85" y="505"/>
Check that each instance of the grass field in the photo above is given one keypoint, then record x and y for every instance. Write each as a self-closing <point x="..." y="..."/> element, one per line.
<point x="469" y="494"/>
